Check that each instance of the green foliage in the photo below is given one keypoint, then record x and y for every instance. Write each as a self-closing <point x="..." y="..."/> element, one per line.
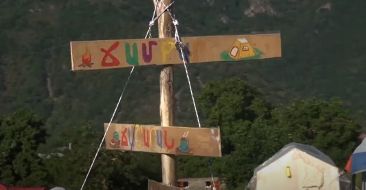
<point x="324" y="124"/>
<point x="20" y="136"/>
<point x="124" y="171"/>
<point x="229" y="102"/>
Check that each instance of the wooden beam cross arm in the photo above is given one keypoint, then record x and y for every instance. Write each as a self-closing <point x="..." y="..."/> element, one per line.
<point x="111" y="54"/>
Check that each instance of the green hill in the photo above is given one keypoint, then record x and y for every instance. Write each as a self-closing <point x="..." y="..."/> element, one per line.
<point x="323" y="56"/>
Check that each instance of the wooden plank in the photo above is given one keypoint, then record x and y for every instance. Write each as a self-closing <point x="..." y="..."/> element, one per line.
<point x="153" y="185"/>
<point x="110" y="54"/>
<point x="164" y="140"/>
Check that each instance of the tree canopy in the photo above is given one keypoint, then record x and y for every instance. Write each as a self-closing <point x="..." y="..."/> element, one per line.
<point x="21" y="134"/>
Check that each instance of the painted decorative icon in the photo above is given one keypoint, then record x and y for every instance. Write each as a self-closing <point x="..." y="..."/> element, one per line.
<point x="184" y="144"/>
<point x="241" y="50"/>
<point x="86" y="59"/>
<point x="115" y="142"/>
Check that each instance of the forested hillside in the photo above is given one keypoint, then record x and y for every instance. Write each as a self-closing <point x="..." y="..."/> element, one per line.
<point x="323" y="55"/>
<point x="323" y="47"/>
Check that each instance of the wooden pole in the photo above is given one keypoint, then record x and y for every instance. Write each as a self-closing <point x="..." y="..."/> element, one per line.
<point x="166" y="96"/>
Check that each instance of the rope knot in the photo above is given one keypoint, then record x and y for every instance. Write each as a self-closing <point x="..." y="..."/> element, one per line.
<point x="175" y="22"/>
<point x="151" y="23"/>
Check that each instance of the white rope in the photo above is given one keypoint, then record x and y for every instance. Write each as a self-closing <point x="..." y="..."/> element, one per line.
<point x="180" y="45"/>
<point x="148" y="34"/>
<point x="190" y="86"/>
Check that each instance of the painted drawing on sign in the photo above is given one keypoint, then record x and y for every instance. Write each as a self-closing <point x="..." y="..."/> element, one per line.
<point x="184" y="144"/>
<point x="166" y="48"/>
<point x="86" y="59"/>
<point x="115" y="142"/>
<point x="241" y="50"/>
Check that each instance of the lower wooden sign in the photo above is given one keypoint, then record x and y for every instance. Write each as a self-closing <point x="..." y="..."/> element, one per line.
<point x="164" y="140"/>
<point x="153" y="185"/>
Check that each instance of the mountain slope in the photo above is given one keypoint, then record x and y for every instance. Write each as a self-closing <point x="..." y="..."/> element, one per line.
<point x="323" y="56"/>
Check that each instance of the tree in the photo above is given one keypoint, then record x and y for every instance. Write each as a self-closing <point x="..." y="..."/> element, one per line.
<point x="226" y="103"/>
<point x="325" y="124"/>
<point x="20" y="136"/>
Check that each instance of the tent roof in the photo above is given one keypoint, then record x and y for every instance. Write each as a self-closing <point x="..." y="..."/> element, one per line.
<point x="311" y="150"/>
<point x="361" y="148"/>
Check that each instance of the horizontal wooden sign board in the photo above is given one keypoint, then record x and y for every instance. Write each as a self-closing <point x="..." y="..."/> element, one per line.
<point x="153" y="185"/>
<point x="164" y="140"/>
<point x="109" y="54"/>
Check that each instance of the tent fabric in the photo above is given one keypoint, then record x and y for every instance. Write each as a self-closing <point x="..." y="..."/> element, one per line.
<point x="348" y="166"/>
<point x="302" y="147"/>
<point x="58" y="188"/>
<point x="296" y="166"/>
<point x="3" y="187"/>
<point x="358" y="160"/>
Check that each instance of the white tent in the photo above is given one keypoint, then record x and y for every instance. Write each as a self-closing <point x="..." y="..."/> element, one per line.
<point x="296" y="166"/>
<point x="58" y="188"/>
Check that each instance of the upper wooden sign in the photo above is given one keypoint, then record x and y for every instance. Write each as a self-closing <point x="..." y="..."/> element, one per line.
<point x="108" y="54"/>
<point x="164" y="140"/>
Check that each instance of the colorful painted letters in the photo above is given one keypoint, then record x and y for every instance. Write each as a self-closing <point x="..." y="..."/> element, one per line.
<point x="105" y="54"/>
<point x="124" y="140"/>
<point x="148" y="55"/>
<point x="167" y="140"/>
<point x="108" y="54"/>
<point x="134" y="58"/>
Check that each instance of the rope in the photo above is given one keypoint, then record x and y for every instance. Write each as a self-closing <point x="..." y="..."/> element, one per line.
<point x="183" y="53"/>
<point x="154" y="18"/>
<point x="148" y="35"/>
<point x="212" y="176"/>
<point x="190" y="86"/>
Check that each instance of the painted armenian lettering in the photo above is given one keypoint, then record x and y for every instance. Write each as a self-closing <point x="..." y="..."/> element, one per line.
<point x="108" y="55"/>
<point x="147" y="54"/>
<point x="167" y="140"/>
<point x="134" y="58"/>
<point x="105" y="54"/>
